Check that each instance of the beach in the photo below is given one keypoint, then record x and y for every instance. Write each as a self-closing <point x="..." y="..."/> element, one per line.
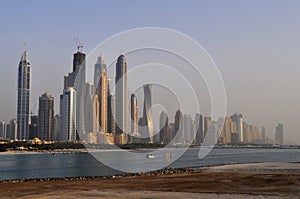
<point x="252" y="180"/>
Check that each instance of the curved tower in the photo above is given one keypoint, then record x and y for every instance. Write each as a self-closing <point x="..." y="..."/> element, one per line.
<point x="134" y="114"/>
<point x="147" y="112"/>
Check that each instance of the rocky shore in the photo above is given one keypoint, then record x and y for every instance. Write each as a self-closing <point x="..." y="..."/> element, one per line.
<point x="255" y="180"/>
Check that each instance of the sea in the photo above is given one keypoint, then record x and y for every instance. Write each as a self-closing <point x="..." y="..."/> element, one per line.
<point x="114" y="162"/>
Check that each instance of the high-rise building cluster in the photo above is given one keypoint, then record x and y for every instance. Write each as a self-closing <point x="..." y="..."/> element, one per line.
<point x="90" y="113"/>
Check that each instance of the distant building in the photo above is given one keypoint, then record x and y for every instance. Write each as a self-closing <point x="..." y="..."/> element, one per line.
<point x="164" y="128"/>
<point x="279" y="134"/>
<point x="135" y="136"/>
<point x="188" y="128"/>
<point x="238" y="119"/>
<point x="226" y="131"/>
<point x="179" y="127"/>
<point x="13" y="125"/>
<point x="235" y="138"/>
<point x="45" y="117"/>
<point x="147" y="130"/>
<point x="99" y="66"/>
<point x="121" y="101"/>
<point x="134" y="114"/>
<point x="68" y="120"/>
<point x="246" y="133"/>
<point x="7" y="131"/>
<point x="199" y="129"/>
<point x="211" y="136"/>
<point x="33" y="127"/>
<point x="23" y="101"/>
<point x="206" y="124"/>
<point x="102" y="91"/>
<point x="263" y="135"/>
<point x="56" y="128"/>
<point x="111" y="114"/>
<point x="2" y="129"/>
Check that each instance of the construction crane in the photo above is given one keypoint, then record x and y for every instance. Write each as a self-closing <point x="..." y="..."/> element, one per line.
<point x="79" y="44"/>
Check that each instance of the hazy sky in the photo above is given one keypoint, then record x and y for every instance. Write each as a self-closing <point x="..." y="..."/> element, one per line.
<point x="256" y="45"/>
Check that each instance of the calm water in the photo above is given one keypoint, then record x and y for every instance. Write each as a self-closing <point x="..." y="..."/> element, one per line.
<point x="28" y="166"/>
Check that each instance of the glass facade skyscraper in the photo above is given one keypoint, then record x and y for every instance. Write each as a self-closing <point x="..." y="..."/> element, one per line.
<point x="24" y="81"/>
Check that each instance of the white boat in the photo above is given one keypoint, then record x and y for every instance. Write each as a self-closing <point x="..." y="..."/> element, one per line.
<point x="150" y="156"/>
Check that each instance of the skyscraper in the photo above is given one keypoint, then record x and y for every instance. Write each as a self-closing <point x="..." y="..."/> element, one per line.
<point x="164" y="127"/>
<point x="33" y="127"/>
<point x="211" y="136"/>
<point x="99" y="66"/>
<point x="13" y="125"/>
<point x="134" y="114"/>
<point x="206" y="125"/>
<point x="263" y="134"/>
<point x="2" y="129"/>
<point x="179" y="126"/>
<point x="67" y="122"/>
<point x="45" y="117"/>
<point x="147" y="113"/>
<point x="188" y="128"/>
<point x="102" y="92"/>
<point x="238" y="119"/>
<point x="279" y="134"/>
<point x="76" y="80"/>
<point x="91" y="110"/>
<point x="24" y="80"/>
<point x="199" y="129"/>
<point x="121" y="101"/>
<point x="111" y="114"/>
<point x="7" y="131"/>
<point x="56" y="122"/>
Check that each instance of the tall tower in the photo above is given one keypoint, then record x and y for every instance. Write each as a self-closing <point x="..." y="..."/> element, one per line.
<point x="134" y="114"/>
<point x="188" y="128"/>
<point x="279" y="134"/>
<point x="147" y="112"/>
<point x="24" y="80"/>
<point x="99" y="66"/>
<point x="2" y="129"/>
<point x="199" y="129"/>
<point x="179" y="126"/>
<point x="102" y="92"/>
<point x="121" y="108"/>
<point x="238" y="119"/>
<point x="67" y="124"/>
<point x="164" y="135"/>
<point x="76" y="80"/>
<point x="45" y="117"/>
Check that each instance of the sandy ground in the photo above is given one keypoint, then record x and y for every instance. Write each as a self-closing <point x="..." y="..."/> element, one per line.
<point x="271" y="180"/>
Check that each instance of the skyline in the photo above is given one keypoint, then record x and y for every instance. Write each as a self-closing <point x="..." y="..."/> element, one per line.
<point x="265" y="97"/>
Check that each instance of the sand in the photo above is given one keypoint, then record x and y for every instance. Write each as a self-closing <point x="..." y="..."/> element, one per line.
<point x="271" y="180"/>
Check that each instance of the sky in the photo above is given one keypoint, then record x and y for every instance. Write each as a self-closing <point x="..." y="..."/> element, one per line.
<point x="255" y="45"/>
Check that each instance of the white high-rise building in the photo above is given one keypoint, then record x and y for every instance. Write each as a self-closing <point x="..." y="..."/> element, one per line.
<point x="188" y="128"/>
<point x="13" y="125"/>
<point x="23" y="101"/>
<point x="68" y="115"/>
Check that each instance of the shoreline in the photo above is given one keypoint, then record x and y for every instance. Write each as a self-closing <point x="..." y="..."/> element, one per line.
<point x="252" y="167"/>
<point x="262" y="180"/>
<point x="84" y="150"/>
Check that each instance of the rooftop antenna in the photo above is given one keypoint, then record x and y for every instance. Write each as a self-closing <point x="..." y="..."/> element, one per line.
<point x="79" y="44"/>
